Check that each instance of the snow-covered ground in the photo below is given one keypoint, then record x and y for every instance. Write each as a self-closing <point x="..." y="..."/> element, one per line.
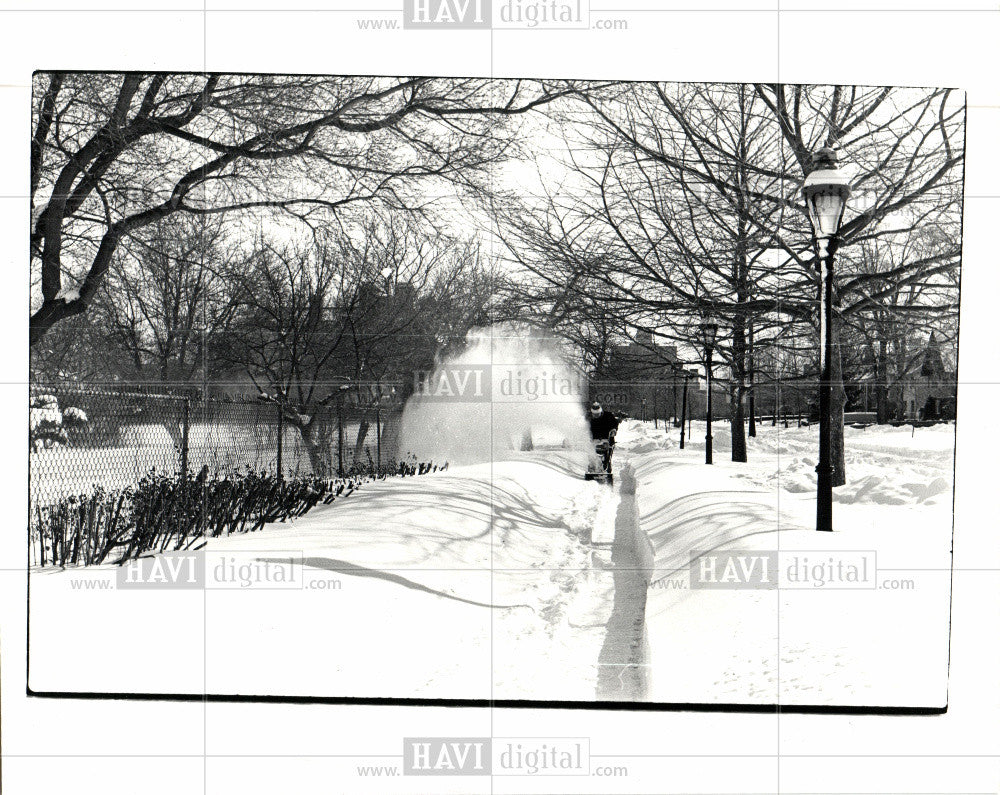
<point x="882" y="645"/>
<point x="500" y="581"/>
<point x="473" y="583"/>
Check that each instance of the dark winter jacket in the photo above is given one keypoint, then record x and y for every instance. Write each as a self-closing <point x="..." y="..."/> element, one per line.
<point x="602" y="426"/>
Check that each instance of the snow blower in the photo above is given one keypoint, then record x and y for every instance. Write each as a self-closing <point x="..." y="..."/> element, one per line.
<point x="599" y="468"/>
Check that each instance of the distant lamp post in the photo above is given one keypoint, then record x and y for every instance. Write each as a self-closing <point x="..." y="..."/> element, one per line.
<point x="826" y="191"/>
<point x="708" y="331"/>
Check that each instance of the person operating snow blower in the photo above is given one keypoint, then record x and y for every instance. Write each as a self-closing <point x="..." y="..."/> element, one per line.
<point x="603" y="428"/>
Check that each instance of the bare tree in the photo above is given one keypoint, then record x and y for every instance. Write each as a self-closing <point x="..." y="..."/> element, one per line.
<point x="891" y="315"/>
<point x="345" y="318"/>
<point x="693" y="194"/>
<point x="111" y="154"/>
<point x="167" y="292"/>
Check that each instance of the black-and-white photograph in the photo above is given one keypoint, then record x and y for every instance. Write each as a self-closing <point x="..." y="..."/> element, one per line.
<point x="459" y="390"/>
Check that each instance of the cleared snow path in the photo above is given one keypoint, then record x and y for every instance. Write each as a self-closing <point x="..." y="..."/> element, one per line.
<point x="624" y="660"/>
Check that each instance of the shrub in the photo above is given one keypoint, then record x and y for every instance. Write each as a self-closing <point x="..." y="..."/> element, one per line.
<point x="172" y="512"/>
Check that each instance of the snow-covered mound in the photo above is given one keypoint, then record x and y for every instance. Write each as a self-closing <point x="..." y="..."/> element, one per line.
<point x="882" y="645"/>
<point x="885" y="465"/>
<point x="635" y="436"/>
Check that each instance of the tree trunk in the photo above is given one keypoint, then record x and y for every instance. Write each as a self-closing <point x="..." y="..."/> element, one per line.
<point x="737" y="390"/>
<point x="49" y="313"/>
<point x="881" y="384"/>
<point x="359" y="443"/>
<point x="902" y="380"/>
<point x="175" y="428"/>
<point x="312" y="440"/>
<point x="736" y="419"/>
<point x="838" y="399"/>
<point x="751" y="407"/>
<point x="777" y="401"/>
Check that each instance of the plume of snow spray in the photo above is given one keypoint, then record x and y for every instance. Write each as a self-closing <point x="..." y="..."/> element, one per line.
<point x="509" y="390"/>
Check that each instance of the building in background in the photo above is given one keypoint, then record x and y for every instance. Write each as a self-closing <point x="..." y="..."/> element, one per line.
<point x="928" y="389"/>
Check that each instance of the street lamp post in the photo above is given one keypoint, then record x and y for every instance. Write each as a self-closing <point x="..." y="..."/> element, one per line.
<point x="826" y="191"/>
<point x="708" y="331"/>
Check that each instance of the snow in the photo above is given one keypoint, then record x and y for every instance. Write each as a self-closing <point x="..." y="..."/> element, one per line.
<point x="800" y="646"/>
<point x="68" y="294"/>
<point x="50" y="415"/>
<point x="441" y="577"/>
<point x="886" y="465"/>
<point x="483" y="403"/>
<point x="75" y="415"/>
<point x="516" y="579"/>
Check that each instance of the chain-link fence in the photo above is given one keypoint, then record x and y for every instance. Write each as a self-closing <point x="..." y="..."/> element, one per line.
<point x="82" y="439"/>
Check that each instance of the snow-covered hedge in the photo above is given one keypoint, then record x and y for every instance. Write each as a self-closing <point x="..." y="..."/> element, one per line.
<point x="48" y="425"/>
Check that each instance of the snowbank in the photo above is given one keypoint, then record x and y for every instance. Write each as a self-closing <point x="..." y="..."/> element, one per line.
<point x="636" y="437"/>
<point x="884" y="645"/>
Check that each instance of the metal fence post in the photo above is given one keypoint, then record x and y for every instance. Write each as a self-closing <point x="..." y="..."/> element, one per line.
<point x="378" y="438"/>
<point x="184" y="437"/>
<point x="281" y="435"/>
